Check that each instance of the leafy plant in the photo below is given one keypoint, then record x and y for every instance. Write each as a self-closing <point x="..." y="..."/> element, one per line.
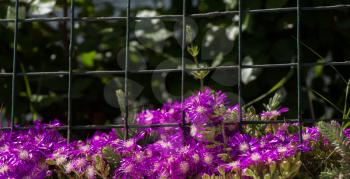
<point x="346" y="109"/>
<point x="286" y="168"/>
<point x="193" y="50"/>
<point x="334" y="133"/>
<point x="272" y="112"/>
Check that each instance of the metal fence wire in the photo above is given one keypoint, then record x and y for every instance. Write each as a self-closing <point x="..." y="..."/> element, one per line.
<point x="240" y="12"/>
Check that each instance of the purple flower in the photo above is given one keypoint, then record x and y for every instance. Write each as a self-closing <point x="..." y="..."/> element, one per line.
<point x="171" y="153"/>
<point x="347" y="133"/>
<point x="273" y="114"/>
<point x="200" y="107"/>
<point x="24" y="152"/>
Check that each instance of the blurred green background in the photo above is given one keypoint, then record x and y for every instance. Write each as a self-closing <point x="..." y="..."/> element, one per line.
<point x="268" y="38"/>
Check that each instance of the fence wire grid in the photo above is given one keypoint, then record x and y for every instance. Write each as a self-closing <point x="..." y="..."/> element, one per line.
<point x="298" y="65"/>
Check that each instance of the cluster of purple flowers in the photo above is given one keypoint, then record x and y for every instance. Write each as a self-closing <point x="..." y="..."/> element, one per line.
<point x="212" y="142"/>
<point x="169" y="159"/>
<point x="174" y="155"/>
<point x="23" y="153"/>
<point x="248" y="151"/>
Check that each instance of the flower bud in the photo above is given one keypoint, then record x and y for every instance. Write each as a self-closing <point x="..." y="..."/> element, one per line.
<point x="285" y="165"/>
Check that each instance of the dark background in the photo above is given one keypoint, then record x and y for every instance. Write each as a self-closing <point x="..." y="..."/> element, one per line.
<point x="268" y="38"/>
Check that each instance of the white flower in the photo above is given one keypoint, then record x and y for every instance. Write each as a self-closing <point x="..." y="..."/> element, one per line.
<point x="255" y="156"/>
<point x="195" y="158"/>
<point x="129" y="143"/>
<point x="194" y="130"/>
<point x="208" y="158"/>
<point x="184" y="167"/>
<point x="282" y="149"/>
<point x="200" y="109"/>
<point x="306" y="136"/>
<point x="4" y="168"/>
<point x="23" y="155"/>
<point x="80" y="162"/>
<point x="129" y="168"/>
<point x="148" y="117"/>
<point x="90" y="172"/>
<point x="234" y="164"/>
<point x="60" y="160"/>
<point x="243" y="147"/>
<point x="69" y="167"/>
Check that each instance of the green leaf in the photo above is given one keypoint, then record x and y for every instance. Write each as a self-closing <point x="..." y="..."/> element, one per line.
<point x="246" y="22"/>
<point x="193" y="50"/>
<point x="121" y="100"/>
<point x="248" y="74"/>
<point x="230" y="4"/>
<point x="50" y="162"/>
<point x="318" y="70"/>
<point x="274" y="102"/>
<point x="345" y="116"/>
<point x="42" y="7"/>
<point x="206" y="176"/>
<point x="249" y="172"/>
<point x="200" y="74"/>
<point x="345" y="113"/>
<point x="323" y="60"/>
<point x="221" y="171"/>
<point x="11" y="13"/>
<point x="87" y="58"/>
<point x="267" y="176"/>
<point x="29" y="91"/>
<point x="274" y="88"/>
<point x="275" y="3"/>
<point x="327" y="100"/>
<point x="218" y="60"/>
<point x="111" y="157"/>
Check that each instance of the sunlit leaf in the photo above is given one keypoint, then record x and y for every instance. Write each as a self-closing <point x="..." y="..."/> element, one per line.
<point x="246" y="21"/>
<point x="216" y="41"/>
<point x="232" y="32"/>
<point x="42" y="7"/>
<point x="121" y="100"/>
<point x="87" y="58"/>
<point x="225" y="77"/>
<point x="230" y="3"/>
<point x="278" y="85"/>
<point x="11" y="12"/>
<point x="248" y="74"/>
<point x="217" y="60"/>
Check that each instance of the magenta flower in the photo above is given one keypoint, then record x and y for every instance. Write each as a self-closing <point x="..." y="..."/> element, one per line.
<point x="273" y="114"/>
<point x="168" y="153"/>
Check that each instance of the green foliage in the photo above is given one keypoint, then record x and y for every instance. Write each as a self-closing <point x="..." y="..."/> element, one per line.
<point x="111" y="157"/>
<point x="320" y="159"/>
<point x="121" y="100"/>
<point x="277" y="86"/>
<point x="330" y="174"/>
<point x="102" y="167"/>
<point x="88" y="58"/>
<point x="261" y="129"/>
<point x="274" y="102"/>
<point x="231" y="3"/>
<point x="334" y="133"/>
<point x="193" y="50"/>
<point x="11" y="13"/>
<point x="225" y="176"/>
<point x="287" y="168"/>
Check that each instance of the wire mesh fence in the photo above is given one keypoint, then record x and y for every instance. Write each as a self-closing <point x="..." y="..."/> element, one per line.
<point x="70" y="73"/>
